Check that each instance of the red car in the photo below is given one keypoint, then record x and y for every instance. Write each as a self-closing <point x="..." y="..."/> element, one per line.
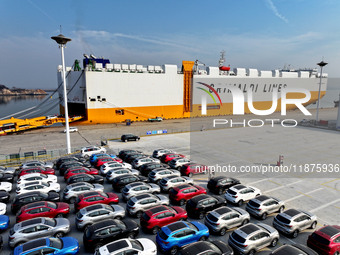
<point x="181" y="193"/>
<point x="156" y="217"/>
<point x="43" y="209"/>
<point x="119" y="160"/>
<point x="193" y="168"/>
<point x="41" y="170"/>
<point x="101" y="161"/>
<point x="95" y="197"/>
<point x="326" y="240"/>
<point x="80" y="170"/>
<point x="170" y="156"/>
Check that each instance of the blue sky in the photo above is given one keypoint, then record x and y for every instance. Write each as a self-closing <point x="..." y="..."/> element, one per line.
<point x="262" y="34"/>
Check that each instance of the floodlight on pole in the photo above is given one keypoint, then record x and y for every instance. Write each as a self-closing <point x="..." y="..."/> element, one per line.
<point x="321" y="64"/>
<point x="62" y="40"/>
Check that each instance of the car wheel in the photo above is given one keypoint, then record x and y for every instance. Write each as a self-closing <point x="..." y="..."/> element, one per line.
<point x="313" y="226"/>
<point x="252" y="252"/>
<point x="60" y="215"/>
<point x="274" y="242"/>
<point x="181" y="202"/>
<point x="59" y="234"/>
<point x="155" y="230"/>
<point x="295" y="233"/>
<point x="240" y="202"/>
<point x="264" y="216"/>
<point x="220" y="191"/>
<point x="139" y="214"/>
<point x="223" y="231"/>
<point x="201" y="216"/>
<point x="97" y="247"/>
<point x="244" y="222"/>
<point x="173" y="250"/>
<point x="282" y="208"/>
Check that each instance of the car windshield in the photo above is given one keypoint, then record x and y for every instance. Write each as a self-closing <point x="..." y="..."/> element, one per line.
<point x="163" y="235"/>
<point x="50" y="222"/>
<point x="238" y="238"/>
<point x="52" y="205"/>
<point x="283" y="219"/>
<point x="320" y="239"/>
<point x="56" y="243"/>
<point x="136" y="245"/>
<point x="192" y="226"/>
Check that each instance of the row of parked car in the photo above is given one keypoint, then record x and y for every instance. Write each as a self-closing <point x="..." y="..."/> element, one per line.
<point x="140" y="179"/>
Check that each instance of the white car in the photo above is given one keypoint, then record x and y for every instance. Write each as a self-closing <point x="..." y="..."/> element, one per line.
<point x="72" y="191"/>
<point x="120" y="171"/>
<point x="6" y="186"/>
<point x="37" y="177"/>
<point x="239" y="193"/>
<point x="2" y="208"/>
<point x="89" y="150"/>
<point x="141" y="161"/>
<point x="140" y="246"/>
<point x="38" y="186"/>
<point x="177" y="163"/>
<point x="111" y="165"/>
<point x="71" y="130"/>
<point x="35" y="163"/>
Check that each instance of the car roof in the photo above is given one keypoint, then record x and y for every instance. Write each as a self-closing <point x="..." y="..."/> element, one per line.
<point x="91" y="208"/>
<point x="141" y="196"/>
<point x="103" y="224"/>
<point x="223" y="210"/>
<point x="31" y="222"/>
<point x="238" y="187"/>
<point x="34" y="244"/>
<point x="262" y="198"/>
<point x="248" y="229"/>
<point x="117" y="245"/>
<point x="90" y="194"/>
<point x="135" y="184"/>
<point x="176" y="226"/>
<point x="157" y="209"/>
<point x="291" y="213"/>
<point x="331" y="230"/>
<point x="35" y="204"/>
<point x="182" y="186"/>
<point x="200" y="197"/>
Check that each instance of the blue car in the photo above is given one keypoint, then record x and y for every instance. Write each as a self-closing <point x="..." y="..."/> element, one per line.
<point x="51" y="245"/>
<point x="4" y="222"/>
<point x="94" y="157"/>
<point x="175" y="235"/>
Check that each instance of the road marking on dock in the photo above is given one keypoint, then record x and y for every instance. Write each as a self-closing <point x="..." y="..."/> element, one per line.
<point x="262" y="180"/>
<point x="303" y="194"/>
<point x="282" y="186"/>
<point x="324" y="205"/>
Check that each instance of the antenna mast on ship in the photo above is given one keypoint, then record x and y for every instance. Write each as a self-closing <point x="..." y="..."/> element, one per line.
<point x="222" y="59"/>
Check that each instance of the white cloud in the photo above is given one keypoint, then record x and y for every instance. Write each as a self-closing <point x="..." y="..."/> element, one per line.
<point x="276" y="12"/>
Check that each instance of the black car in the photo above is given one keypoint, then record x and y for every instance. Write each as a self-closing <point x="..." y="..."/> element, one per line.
<point x="6" y="177"/>
<point x="65" y="166"/>
<point x="204" y="247"/>
<point x="63" y="160"/>
<point x="293" y="249"/>
<point x="106" y="231"/>
<point x="199" y="205"/>
<point x="220" y="184"/>
<point x="119" y="182"/>
<point x="131" y="157"/>
<point x="147" y="168"/>
<point x="34" y="196"/>
<point x="129" y="137"/>
<point x="123" y="153"/>
<point x="4" y="196"/>
<point x="86" y="178"/>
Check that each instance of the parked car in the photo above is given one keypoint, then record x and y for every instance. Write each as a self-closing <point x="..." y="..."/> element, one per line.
<point x="156" y="217"/>
<point x="4" y="222"/>
<point x="167" y="157"/>
<point x="132" y="156"/>
<point x="220" y="184"/>
<point x="199" y="205"/>
<point x="38" y="186"/>
<point x="123" y="153"/>
<point x="94" y="213"/>
<point x="326" y="240"/>
<point x="6" y="186"/>
<point x="105" y="168"/>
<point x="129" y="137"/>
<point x="160" y="152"/>
<point x="4" y="196"/>
<point x="115" y="172"/>
<point x="72" y="165"/>
<point x="138" y="204"/>
<point x="95" y="197"/>
<point x="101" y="161"/>
<point x="37" y="177"/>
<point x="72" y="191"/>
<point x="191" y="169"/>
<point x="36" y="169"/>
<point x="292" y="221"/>
<point x="157" y="174"/>
<point x="38" y="227"/>
<point x="182" y="193"/>
<point x="206" y="247"/>
<point x="239" y="193"/>
<point x="176" y="235"/>
<point x="71" y="130"/>
<point x="263" y="205"/>
<point x="251" y="238"/>
<point x="140" y="246"/>
<point x="137" y="188"/>
<point x="6" y="177"/>
<point x="43" y="209"/>
<point x="294" y="249"/>
<point x="137" y="163"/>
<point x="119" y="182"/>
<point x="89" y="150"/>
<point x="85" y="178"/>
<point x="106" y="231"/>
<point x="7" y="170"/>
<point x="147" y="168"/>
<point x="51" y="245"/>
<point x="171" y="181"/>
<point x="36" y="163"/>
<point x="33" y="196"/>
<point x="80" y="170"/>
<point x="177" y="163"/>
<point x="66" y="159"/>
<point x="3" y="208"/>
<point x="96" y="156"/>
<point x="223" y="218"/>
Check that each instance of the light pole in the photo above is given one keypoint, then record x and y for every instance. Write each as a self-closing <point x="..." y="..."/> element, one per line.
<point x="62" y="40"/>
<point x="321" y="64"/>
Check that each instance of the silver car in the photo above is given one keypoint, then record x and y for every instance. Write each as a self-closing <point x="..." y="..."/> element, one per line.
<point x="292" y="221"/>
<point x="138" y="204"/>
<point x="93" y="213"/>
<point x="141" y="161"/>
<point x="159" y="152"/>
<point x="137" y="188"/>
<point x="262" y="206"/>
<point x="177" y="163"/>
<point x="36" y="228"/>
<point x="157" y="174"/>
<point x="72" y="191"/>
<point x="35" y="163"/>
<point x="250" y="238"/>
<point x="113" y="173"/>
<point x="174" y="180"/>
<point x="224" y="218"/>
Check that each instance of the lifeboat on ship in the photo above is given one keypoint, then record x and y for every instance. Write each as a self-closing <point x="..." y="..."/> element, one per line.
<point x="224" y="68"/>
